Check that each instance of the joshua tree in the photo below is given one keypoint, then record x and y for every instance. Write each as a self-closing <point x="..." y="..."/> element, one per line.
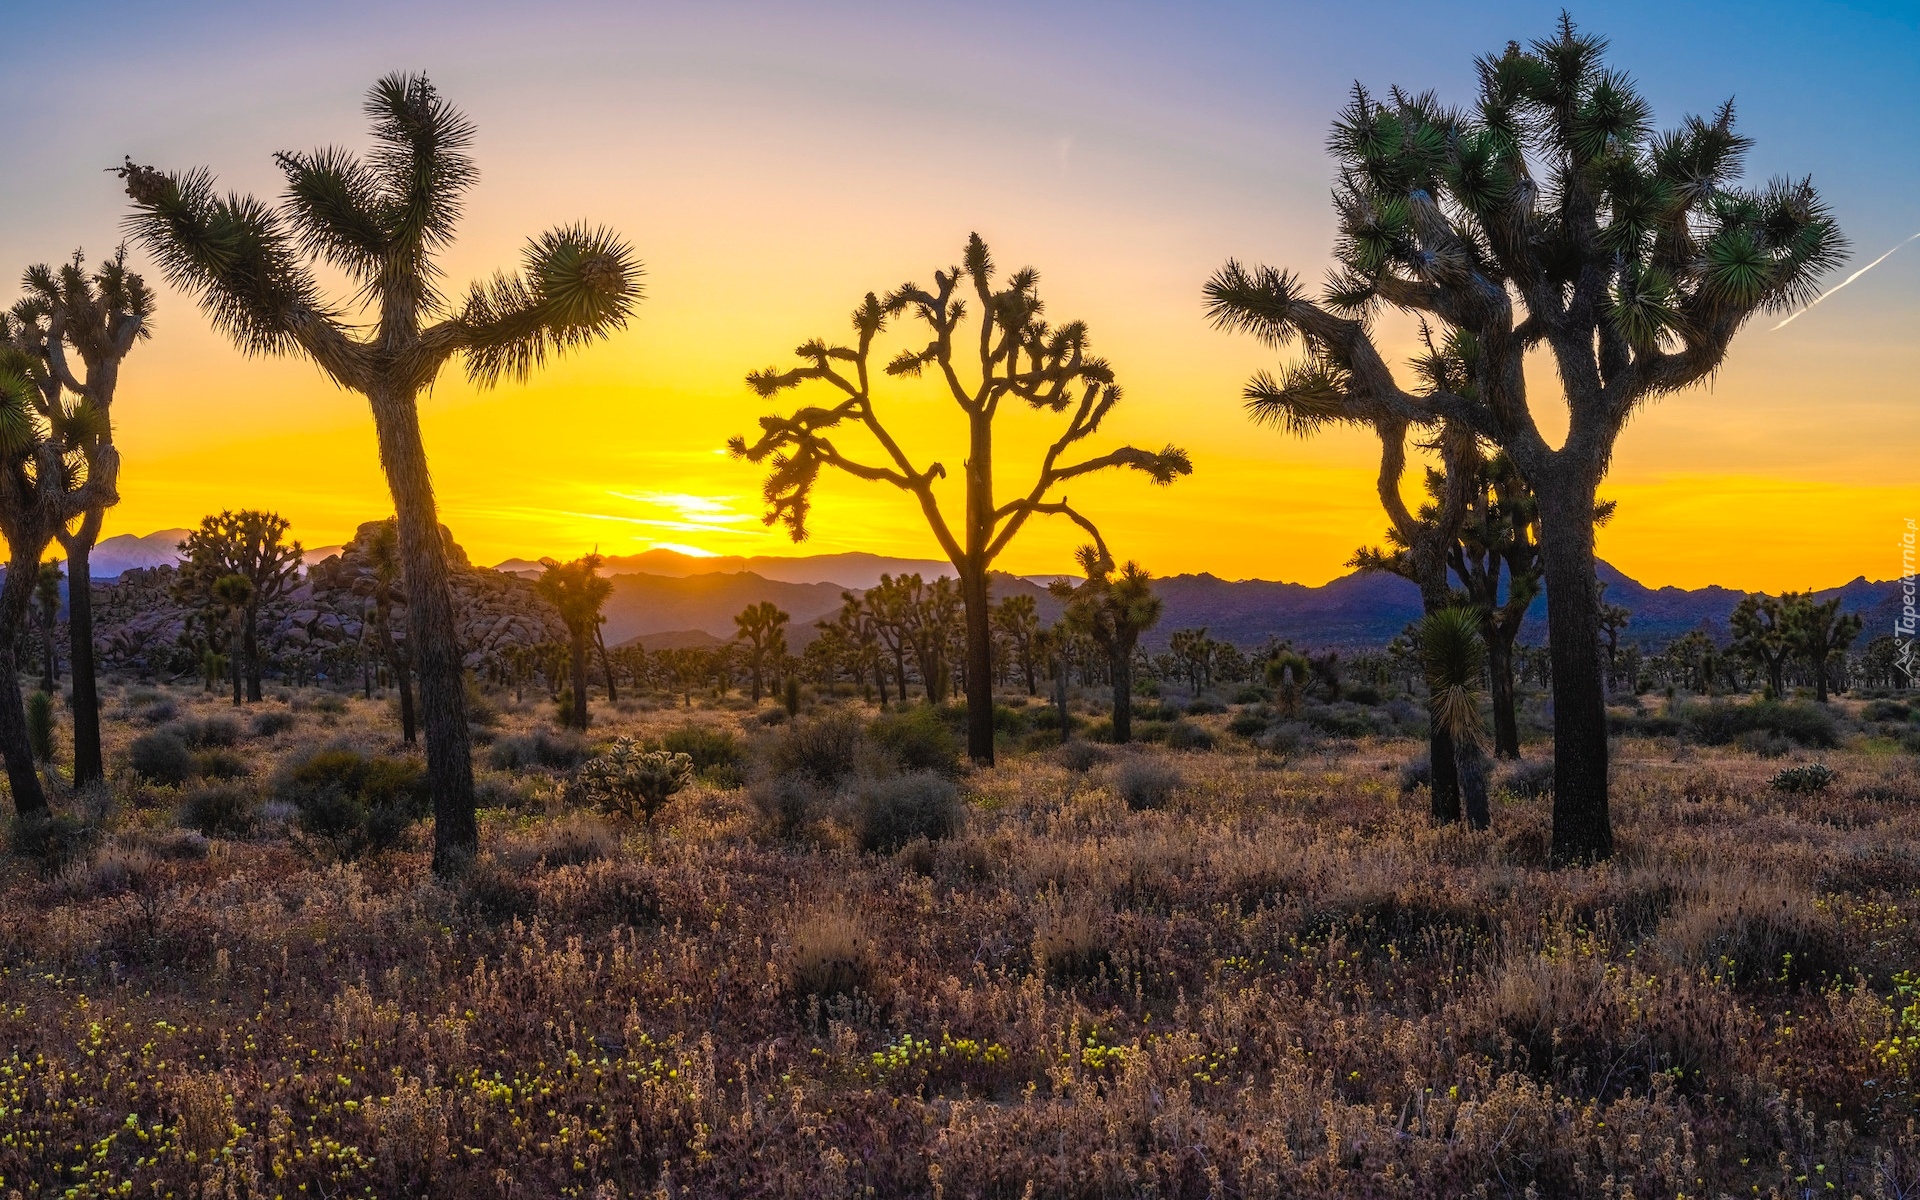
<point x="48" y="478"/>
<point x="1020" y="356"/>
<point x="383" y="590"/>
<point x="382" y="221"/>
<point x="762" y="630"/>
<point x="889" y="608"/>
<point x="1456" y="661"/>
<point x="99" y="316"/>
<point x="858" y="630"/>
<point x="247" y="542"/>
<point x="1194" y="651"/>
<point x="1816" y="631"/>
<point x="578" y="590"/>
<point x="1113" y="611"/>
<point x="1546" y="215"/>
<point x="1018" y="620"/>
<point x="46" y="602"/>
<point x="1761" y="631"/>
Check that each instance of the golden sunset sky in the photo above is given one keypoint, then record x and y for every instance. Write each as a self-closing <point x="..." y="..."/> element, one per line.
<point x="770" y="164"/>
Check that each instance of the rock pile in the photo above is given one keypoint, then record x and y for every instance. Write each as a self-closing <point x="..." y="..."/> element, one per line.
<point x="320" y="625"/>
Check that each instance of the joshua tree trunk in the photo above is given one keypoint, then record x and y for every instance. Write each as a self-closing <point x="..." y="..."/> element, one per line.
<point x="974" y="592"/>
<point x="880" y="679"/>
<point x="1820" y="678"/>
<point x="16" y="598"/>
<point x="606" y="666"/>
<point x="87" y="765"/>
<point x="235" y="666"/>
<point x="1582" y="831"/>
<point x="1472" y="764"/>
<point x="1506" y="729"/>
<point x="1444" y="769"/>
<point x="577" y="670"/>
<point x="1122" y="667"/>
<point x="430" y="627"/>
<point x="251" y="644"/>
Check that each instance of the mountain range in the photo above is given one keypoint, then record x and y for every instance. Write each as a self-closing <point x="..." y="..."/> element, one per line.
<point x="664" y="598"/>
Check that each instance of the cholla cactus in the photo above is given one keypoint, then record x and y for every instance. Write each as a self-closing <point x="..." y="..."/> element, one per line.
<point x="630" y="781"/>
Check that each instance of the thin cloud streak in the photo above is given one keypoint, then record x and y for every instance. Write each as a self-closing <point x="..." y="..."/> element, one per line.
<point x="1844" y="282"/>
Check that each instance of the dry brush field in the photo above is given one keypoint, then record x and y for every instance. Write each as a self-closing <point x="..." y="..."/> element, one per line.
<point x="1123" y="972"/>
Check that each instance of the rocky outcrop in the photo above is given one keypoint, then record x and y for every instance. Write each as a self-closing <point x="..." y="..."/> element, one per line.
<point x="319" y="628"/>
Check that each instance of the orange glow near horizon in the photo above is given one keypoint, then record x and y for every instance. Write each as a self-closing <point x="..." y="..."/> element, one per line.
<point x="764" y="202"/>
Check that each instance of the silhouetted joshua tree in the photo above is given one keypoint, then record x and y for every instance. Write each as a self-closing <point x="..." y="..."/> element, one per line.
<point x="247" y="543"/>
<point x="1818" y="630"/>
<point x="1762" y="632"/>
<point x="1113" y="611"/>
<point x="762" y="631"/>
<point x="578" y="590"/>
<point x="383" y="220"/>
<point x="1547" y="215"/>
<point x="1017" y="618"/>
<point x="97" y="317"/>
<point x="1018" y="355"/>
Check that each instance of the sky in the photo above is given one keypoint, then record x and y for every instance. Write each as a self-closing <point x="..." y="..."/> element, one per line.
<point x="771" y="163"/>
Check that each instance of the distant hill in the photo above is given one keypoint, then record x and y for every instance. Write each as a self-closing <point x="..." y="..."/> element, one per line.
<point x="859" y="571"/>
<point x="124" y="552"/>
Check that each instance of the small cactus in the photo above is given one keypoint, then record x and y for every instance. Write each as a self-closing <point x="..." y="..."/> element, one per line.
<point x="1811" y="777"/>
<point x="630" y="781"/>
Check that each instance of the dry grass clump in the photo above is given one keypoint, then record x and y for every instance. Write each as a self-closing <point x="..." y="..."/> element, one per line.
<point x="1757" y="934"/>
<point x="832" y="958"/>
<point x="1146" y="783"/>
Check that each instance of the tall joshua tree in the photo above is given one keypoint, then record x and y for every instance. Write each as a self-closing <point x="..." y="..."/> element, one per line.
<point x="67" y="314"/>
<point x="249" y="543"/>
<point x="1112" y="610"/>
<point x="578" y="590"/>
<point x="1015" y="354"/>
<point x="383" y="220"/>
<point x="1762" y="631"/>
<point x="1018" y="620"/>
<point x="1548" y="214"/>
<point x="762" y="630"/>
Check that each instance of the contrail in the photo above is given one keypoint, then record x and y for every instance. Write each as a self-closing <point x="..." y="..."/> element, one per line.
<point x="1844" y="282"/>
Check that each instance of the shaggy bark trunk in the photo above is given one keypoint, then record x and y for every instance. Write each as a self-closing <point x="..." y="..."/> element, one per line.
<point x="234" y="668"/>
<point x="974" y="592"/>
<point x="880" y="678"/>
<point x="1122" y="666"/>
<point x="1472" y="761"/>
<point x="1820" y="679"/>
<point x="403" y="684"/>
<point x="87" y="764"/>
<point x="1444" y="770"/>
<point x="430" y="625"/>
<point x="1582" y="829"/>
<point x="578" y="671"/>
<point x="16" y="598"/>
<point x="252" y="646"/>
<point x="1506" y="727"/>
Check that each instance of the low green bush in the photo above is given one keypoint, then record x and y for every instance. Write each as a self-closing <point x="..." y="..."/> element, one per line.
<point x="898" y="809"/>
<point x="354" y="803"/>
<point x="916" y="739"/>
<point x="161" y="757"/>
<point x="1720" y="722"/>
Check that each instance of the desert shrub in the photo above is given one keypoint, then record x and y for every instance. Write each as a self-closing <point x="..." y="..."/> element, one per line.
<point x="1069" y="944"/>
<point x="161" y="757"/>
<point x="481" y="710"/>
<point x="159" y="712"/>
<point x="560" y="750"/>
<point x="330" y="704"/>
<point x="354" y="803"/>
<point x="895" y="810"/>
<point x="786" y="803"/>
<point x="575" y="841"/>
<point x="51" y="840"/>
<point x="1528" y="780"/>
<point x="1808" y="777"/>
<point x="773" y="716"/>
<point x="831" y="957"/>
<point x="1416" y="774"/>
<point x="112" y="870"/>
<point x="1884" y="710"/>
<point x="207" y="732"/>
<point x="633" y="782"/>
<point x="1252" y="694"/>
<point x="1911" y="742"/>
<point x="1763" y="744"/>
<point x="1249" y="721"/>
<point x="500" y="791"/>
<point x="1340" y="720"/>
<point x="1011" y="719"/>
<point x="221" y="764"/>
<point x="1162" y="710"/>
<point x="495" y="891"/>
<point x="916" y="739"/>
<point x="222" y="810"/>
<point x="1719" y="723"/>
<point x="40" y="726"/>
<point x="1081" y="757"/>
<point x="1201" y="706"/>
<point x="176" y="845"/>
<point x="1185" y="735"/>
<point x="272" y="721"/>
<point x="710" y="749"/>
<point x="1146" y="783"/>
<point x="1363" y="693"/>
<point x="1757" y="935"/>
<point x="825" y="749"/>
<point x="1635" y="725"/>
